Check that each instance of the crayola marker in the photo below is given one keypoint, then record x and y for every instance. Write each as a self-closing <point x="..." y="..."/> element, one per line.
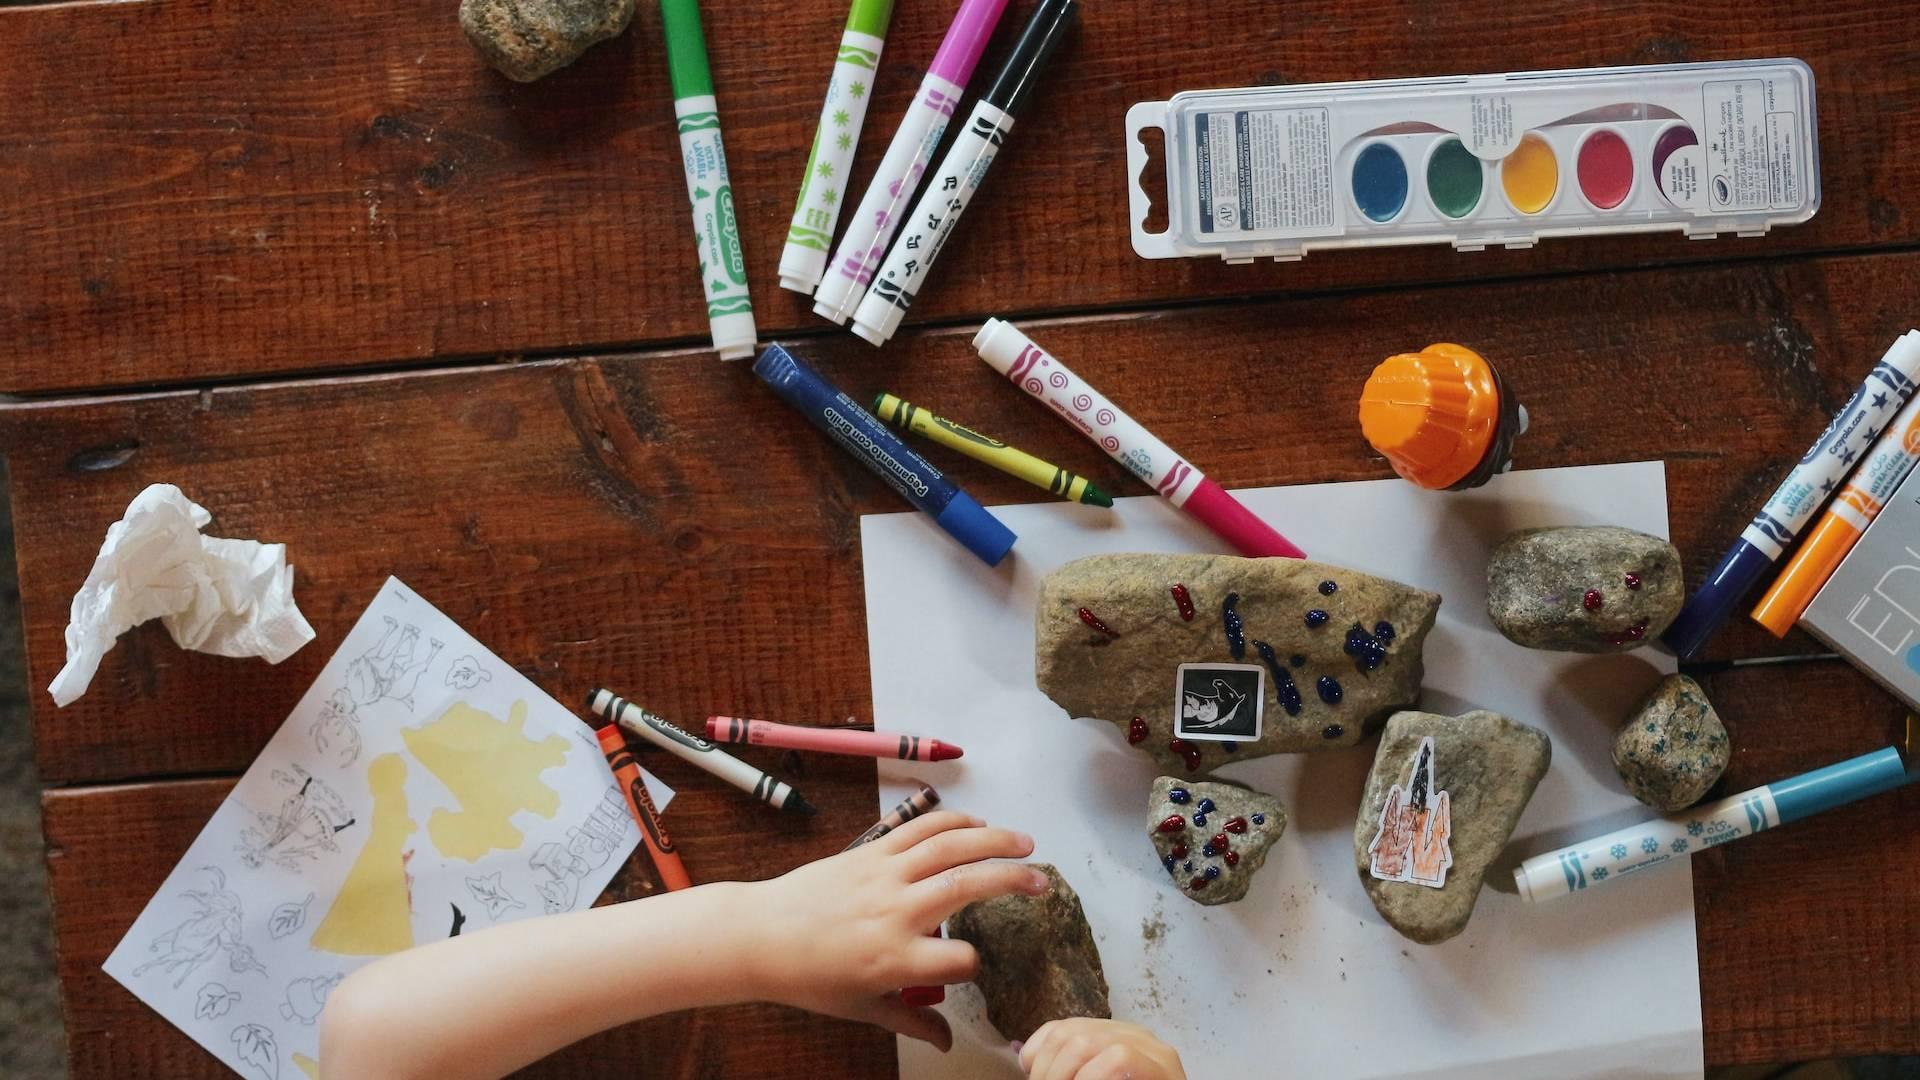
<point x="1847" y="517"/>
<point x="1805" y="489"/>
<point x="723" y="265"/>
<point x="830" y="164"/>
<point x="914" y="142"/>
<point x="666" y="860"/>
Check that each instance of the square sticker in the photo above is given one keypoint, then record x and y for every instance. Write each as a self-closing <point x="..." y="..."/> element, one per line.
<point x="1219" y="702"/>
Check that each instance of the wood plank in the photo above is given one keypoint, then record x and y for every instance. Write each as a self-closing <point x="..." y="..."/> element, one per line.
<point x="109" y="849"/>
<point x="197" y="192"/>
<point x="605" y="520"/>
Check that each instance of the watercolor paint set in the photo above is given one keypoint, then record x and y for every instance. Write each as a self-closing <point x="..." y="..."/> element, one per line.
<point x="1479" y="160"/>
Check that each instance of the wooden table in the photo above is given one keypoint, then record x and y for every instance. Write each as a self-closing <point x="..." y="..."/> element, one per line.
<point x="353" y="292"/>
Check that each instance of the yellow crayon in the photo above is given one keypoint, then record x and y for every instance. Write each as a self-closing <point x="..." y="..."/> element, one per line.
<point x="909" y="417"/>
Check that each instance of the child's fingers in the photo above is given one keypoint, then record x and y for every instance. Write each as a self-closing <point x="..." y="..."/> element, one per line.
<point x="1070" y="1047"/>
<point x="957" y="847"/>
<point x="922" y="827"/>
<point x="1118" y="1062"/>
<point x="902" y="1019"/>
<point x="936" y="961"/>
<point x="1039" y="1042"/>
<point x="950" y="890"/>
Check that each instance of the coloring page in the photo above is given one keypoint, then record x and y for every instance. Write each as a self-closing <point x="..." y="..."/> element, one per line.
<point x="421" y="788"/>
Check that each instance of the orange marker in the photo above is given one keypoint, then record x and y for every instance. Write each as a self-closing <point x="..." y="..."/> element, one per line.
<point x="1441" y="417"/>
<point x="1847" y="516"/>
<point x="673" y="873"/>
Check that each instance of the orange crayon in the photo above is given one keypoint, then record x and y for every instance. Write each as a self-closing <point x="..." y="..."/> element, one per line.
<point x="673" y="873"/>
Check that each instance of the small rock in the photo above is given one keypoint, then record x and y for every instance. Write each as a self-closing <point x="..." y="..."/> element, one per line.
<point x="1590" y="589"/>
<point x="1038" y="962"/>
<point x="1222" y="839"/>
<point x="525" y="39"/>
<point x="1336" y="650"/>
<point x="1673" y="748"/>
<point x="1442" y="799"/>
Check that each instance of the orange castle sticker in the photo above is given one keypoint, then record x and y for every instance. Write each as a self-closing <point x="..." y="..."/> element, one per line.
<point x="1416" y="824"/>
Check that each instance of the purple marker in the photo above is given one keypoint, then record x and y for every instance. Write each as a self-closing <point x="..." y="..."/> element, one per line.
<point x="891" y="192"/>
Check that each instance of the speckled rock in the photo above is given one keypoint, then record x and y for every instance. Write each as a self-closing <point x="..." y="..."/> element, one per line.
<point x="1038" y="962"/>
<point x="525" y="39"/>
<point x="1590" y="589"/>
<point x="1212" y="836"/>
<point x="1673" y="748"/>
<point x="1442" y="811"/>
<point x="1337" y="650"/>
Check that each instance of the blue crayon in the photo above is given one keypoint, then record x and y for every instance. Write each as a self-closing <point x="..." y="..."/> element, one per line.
<point x="868" y="440"/>
<point x="1804" y="491"/>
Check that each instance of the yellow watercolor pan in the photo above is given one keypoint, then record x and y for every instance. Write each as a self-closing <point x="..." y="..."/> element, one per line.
<point x="1530" y="175"/>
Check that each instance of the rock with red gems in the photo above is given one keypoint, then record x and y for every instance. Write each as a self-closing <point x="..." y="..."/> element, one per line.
<point x="1038" y="961"/>
<point x="1212" y="862"/>
<point x="1591" y="589"/>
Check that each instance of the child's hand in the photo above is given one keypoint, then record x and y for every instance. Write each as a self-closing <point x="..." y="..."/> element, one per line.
<point x="1083" y="1049"/>
<point x="842" y="935"/>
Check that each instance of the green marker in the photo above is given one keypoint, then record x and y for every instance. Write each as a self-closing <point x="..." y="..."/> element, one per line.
<point x="723" y="265"/>
<point x="824" y="187"/>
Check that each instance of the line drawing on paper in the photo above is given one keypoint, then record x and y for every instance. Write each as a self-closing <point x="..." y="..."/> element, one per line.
<point x="466" y="673"/>
<point x="203" y="934"/>
<point x="301" y="830"/>
<point x="587" y="849"/>
<point x="213" y="1001"/>
<point x="336" y="731"/>
<point x="306" y="997"/>
<point x="288" y="918"/>
<point x="254" y="1045"/>
<point x="488" y="891"/>
<point x="389" y="669"/>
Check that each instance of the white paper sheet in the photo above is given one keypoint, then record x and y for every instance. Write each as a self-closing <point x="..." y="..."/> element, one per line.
<point x="312" y="867"/>
<point x="1303" y="978"/>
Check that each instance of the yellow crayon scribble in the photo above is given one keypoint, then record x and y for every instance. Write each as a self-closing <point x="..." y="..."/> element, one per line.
<point x="493" y="769"/>
<point x="372" y="916"/>
<point x="307" y="1065"/>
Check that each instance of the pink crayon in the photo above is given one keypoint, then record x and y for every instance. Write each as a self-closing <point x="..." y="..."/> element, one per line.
<point x="890" y="193"/>
<point x="879" y="744"/>
<point x="1044" y="377"/>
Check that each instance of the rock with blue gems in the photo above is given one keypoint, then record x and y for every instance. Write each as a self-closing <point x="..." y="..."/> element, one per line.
<point x="1441" y="801"/>
<point x="1673" y="748"/>
<point x="1038" y="961"/>
<point x="1590" y="589"/>
<point x="1212" y="836"/>
<point x="1330" y="653"/>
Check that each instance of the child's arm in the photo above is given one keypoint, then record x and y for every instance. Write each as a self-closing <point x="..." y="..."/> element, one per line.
<point x="1084" y="1049"/>
<point x="836" y="936"/>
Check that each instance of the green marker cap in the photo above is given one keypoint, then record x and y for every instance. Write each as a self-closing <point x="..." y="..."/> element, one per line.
<point x="870" y="17"/>
<point x="686" y="48"/>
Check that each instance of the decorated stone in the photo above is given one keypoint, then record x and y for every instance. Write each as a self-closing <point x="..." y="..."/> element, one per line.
<point x="525" y="39"/>
<point x="1204" y="659"/>
<point x="1212" y="836"/>
<point x="1590" y="589"/>
<point x="1442" y="799"/>
<point x="1038" y="961"/>
<point x="1673" y="748"/>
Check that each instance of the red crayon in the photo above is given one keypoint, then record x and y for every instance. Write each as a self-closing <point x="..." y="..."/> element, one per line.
<point x="673" y="873"/>
<point x="880" y="744"/>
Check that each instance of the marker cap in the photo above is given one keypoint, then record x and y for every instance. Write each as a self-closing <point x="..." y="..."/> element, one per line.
<point x="1044" y="32"/>
<point x="686" y="48"/>
<point x="977" y="530"/>
<point x="1229" y="518"/>
<point x="1855" y="778"/>
<point x="1819" y="556"/>
<point x="870" y="17"/>
<point x="966" y="39"/>
<point x="1439" y="417"/>
<point x="1716" y="598"/>
<point x="734" y="336"/>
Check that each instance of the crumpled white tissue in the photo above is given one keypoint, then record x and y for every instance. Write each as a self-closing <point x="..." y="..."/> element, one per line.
<point x="225" y="597"/>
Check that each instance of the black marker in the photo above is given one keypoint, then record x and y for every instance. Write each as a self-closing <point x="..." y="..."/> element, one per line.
<point x="697" y="751"/>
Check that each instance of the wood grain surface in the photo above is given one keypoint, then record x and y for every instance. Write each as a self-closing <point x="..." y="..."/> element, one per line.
<point x="196" y="192"/>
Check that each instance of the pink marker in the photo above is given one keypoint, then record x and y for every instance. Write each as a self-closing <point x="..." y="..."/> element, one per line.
<point x="890" y="193"/>
<point x="1042" y="375"/>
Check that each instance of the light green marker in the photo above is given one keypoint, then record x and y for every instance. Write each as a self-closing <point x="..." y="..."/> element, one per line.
<point x="824" y="187"/>
<point x="723" y="265"/>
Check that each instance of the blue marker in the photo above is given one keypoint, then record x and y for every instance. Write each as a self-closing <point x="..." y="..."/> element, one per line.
<point x="859" y="434"/>
<point x="1804" y="491"/>
<point x="1676" y="837"/>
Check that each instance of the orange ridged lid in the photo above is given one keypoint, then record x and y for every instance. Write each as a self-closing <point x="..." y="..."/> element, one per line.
<point x="1433" y="414"/>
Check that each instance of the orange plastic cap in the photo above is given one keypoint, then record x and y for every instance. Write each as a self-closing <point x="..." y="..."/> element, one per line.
<point x="1433" y="414"/>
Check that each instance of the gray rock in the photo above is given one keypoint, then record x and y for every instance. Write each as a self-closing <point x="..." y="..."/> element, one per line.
<point x="1038" y="962"/>
<point x="1673" y="748"/>
<point x="1220" y="839"/>
<point x="1128" y="676"/>
<point x="1590" y="589"/>
<point x="525" y="39"/>
<point x="1482" y="769"/>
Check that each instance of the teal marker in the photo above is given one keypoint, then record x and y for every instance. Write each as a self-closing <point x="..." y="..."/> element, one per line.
<point x="723" y="265"/>
<point x="829" y="166"/>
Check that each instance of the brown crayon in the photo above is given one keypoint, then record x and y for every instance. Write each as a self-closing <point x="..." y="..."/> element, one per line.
<point x="666" y="860"/>
<point x="910" y="807"/>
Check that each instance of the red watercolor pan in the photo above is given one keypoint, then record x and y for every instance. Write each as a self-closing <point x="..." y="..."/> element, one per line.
<point x="1605" y="169"/>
